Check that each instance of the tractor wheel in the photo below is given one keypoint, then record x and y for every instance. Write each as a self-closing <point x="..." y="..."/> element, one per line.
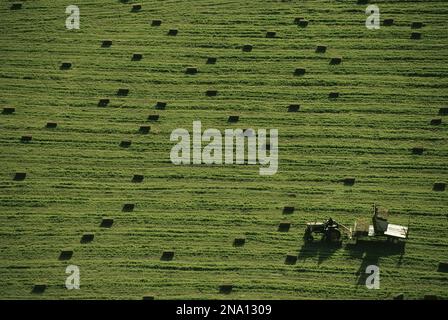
<point x="333" y="236"/>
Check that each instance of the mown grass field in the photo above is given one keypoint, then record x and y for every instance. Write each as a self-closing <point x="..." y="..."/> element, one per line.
<point x="390" y="87"/>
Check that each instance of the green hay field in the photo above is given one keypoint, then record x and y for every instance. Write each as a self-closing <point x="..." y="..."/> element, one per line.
<point x="390" y="88"/>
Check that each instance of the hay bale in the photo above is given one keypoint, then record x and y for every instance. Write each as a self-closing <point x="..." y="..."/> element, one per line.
<point x="336" y="60"/>
<point x="298" y="19"/>
<point x="26" y="138"/>
<point x="416" y="35"/>
<point x="443" y="111"/>
<point x="288" y="210"/>
<point x="247" y="48"/>
<point x="291" y="259"/>
<point x="16" y="6"/>
<point x="144" y="129"/>
<point x="107" y="223"/>
<point x="439" y="186"/>
<point x="416" y="25"/>
<point x="349" y="181"/>
<point x="321" y="49"/>
<point x="8" y="110"/>
<point x="137" y="57"/>
<point x="156" y="23"/>
<point x="65" y="65"/>
<point x="271" y="34"/>
<point x="87" y="237"/>
<point x="66" y="254"/>
<point x="303" y="23"/>
<point x="167" y="256"/>
<point x="39" y="288"/>
<point x="153" y="117"/>
<point x="225" y="288"/>
<point x="147" y="297"/>
<point x="399" y="296"/>
<point x="19" y="176"/>
<point x="106" y="43"/>
<point x="211" y="60"/>
<point x="211" y="93"/>
<point x="239" y="242"/>
<point x="299" y="71"/>
<point x="122" y="92"/>
<point x="128" y="207"/>
<point x="333" y="95"/>
<point x="51" y="125"/>
<point x="191" y="70"/>
<point x="125" y="143"/>
<point x="160" y="105"/>
<point x="430" y="297"/>
<point x="418" y="150"/>
<point x="388" y="22"/>
<point x="294" y="108"/>
<point x="103" y="102"/>
<point x="136" y="7"/>
<point x="435" y="122"/>
<point x="233" y="119"/>
<point x="284" y="226"/>
<point x="173" y="32"/>
<point x="137" y="178"/>
<point x="443" y="267"/>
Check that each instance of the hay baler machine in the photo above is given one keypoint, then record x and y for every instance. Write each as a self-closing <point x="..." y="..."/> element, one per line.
<point x="330" y="231"/>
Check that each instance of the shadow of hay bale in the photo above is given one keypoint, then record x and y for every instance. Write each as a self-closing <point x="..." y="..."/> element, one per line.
<point x="271" y="34"/>
<point x="103" y="102"/>
<point x="137" y="178"/>
<point x="416" y="35"/>
<point x="144" y="129"/>
<point x="65" y="66"/>
<point x="418" y="150"/>
<point x="87" y="237"/>
<point x="233" y="119"/>
<point x="211" y="93"/>
<point x="122" y="92"/>
<point x="388" y="22"/>
<point x="16" y="6"/>
<point x="436" y="122"/>
<point x="225" y="288"/>
<point x="211" y="60"/>
<point x="321" y="49"/>
<point x="288" y="210"/>
<point x="26" y="138"/>
<point x="284" y="226"/>
<point x="291" y="259"/>
<point x="136" y="7"/>
<point x="153" y="117"/>
<point x="128" y="207"/>
<point x="439" y="186"/>
<point x="39" y="288"/>
<point x="125" y="143"/>
<point x="191" y="70"/>
<point x="167" y="256"/>
<point x="247" y="48"/>
<point x="333" y="95"/>
<point x="443" y="111"/>
<point x="160" y="105"/>
<point x="294" y="108"/>
<point x="303" y="23"/>
<point x="239" y="242"/>
<point x="156" y="23"/>
<point x="416" y="25"/>
<point x="137" y="57"/>
<point x="107" y="223"/>
<point x="336" y="61"/>
<point x="66" y="254"/>
<point x="299" y="71"/>
<point x="19" y="176"/>
<point x="106" y="43"/>
<point x="8" y="110"/>
<point x="173" y="32"/>
<point x="349" y="181"/>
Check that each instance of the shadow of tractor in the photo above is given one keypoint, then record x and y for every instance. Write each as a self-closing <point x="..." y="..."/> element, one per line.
<point x="319" y="250"/>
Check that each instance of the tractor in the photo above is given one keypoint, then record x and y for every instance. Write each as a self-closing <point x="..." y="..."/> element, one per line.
<point x="330" y="231"/>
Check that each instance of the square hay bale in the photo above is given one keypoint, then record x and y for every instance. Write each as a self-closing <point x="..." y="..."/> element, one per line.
<point x="8" y="110"/>
<point x="211" y="93"/>
<point x="137" y="57"/>
<point x="321" y="49"/>
<point x="66" y="254"/>
<point x="291" y="259"/>
<point x="388" y="22"/>
<point x="298" y="19"/>
<point x="436" y="122"/>
<point x="416" y="25"/>
<point x="173" y="32"/>
<point x="125" y="143"/>
<point x="299" y="71"/>
<point x="65" y="65"/>
<point x="147" y="297"/>
<point x="137" y="178"/>
<point x="284" y="226"/>
<point x="191" y="70"/>
<point x="349" y="181"/>
<point x="233" y="119"/>
<point x="160" y="105"/>
<point x="122" y="92"/>
<point x="294" y="108"/>
<point x="443" y="111"/>
<point x="87" y="237"/>
<point x="128" y="207"/>
<point x="247" y="48"/>
<point x="167" y="256"/>
<point x="418" y="150"/>
<point x="51" y="125"/>
<point x="26" y="138"/>
<point x="106" y="43"/>
<point x="107" y="223"/>
<point x="439" y="186"/>
<point x="239" y="242"/>
<point x="443" y="267"/>
<point x="153" y="117"/>
<point x="336" y="60"/>
<point x="303" y="23"/>
<point x="211" y="60"/>
<point x="271" y="34"/>
<point x="136" y="7"/>
<point x="19" y="176"/>
<point x="103" y="102"/>
<point x="16" y="6"/>
<point x="225" y="288"/>
<point x="156" y="23"/>
<point x="416" y="35"/>
<point x="288" y="210"/>
<point x="144" y="129"/>
<point x="399" y="296"/>
<point x="39" y="288"/>
<point x="333" y="95"/>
